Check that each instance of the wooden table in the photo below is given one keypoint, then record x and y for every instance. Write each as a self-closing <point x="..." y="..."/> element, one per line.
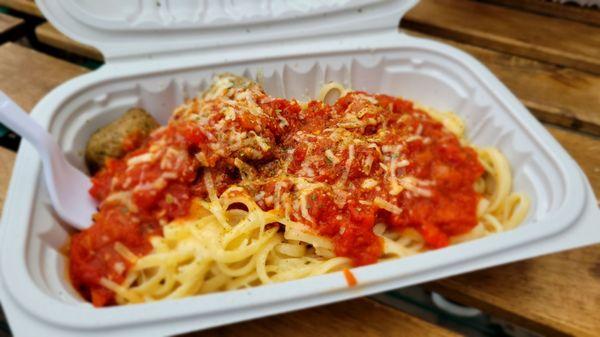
<point x="24" y="6"/>
<point x="47" y="34"/>
<point x="549" y="56"/>
<point x="10" y="27"/>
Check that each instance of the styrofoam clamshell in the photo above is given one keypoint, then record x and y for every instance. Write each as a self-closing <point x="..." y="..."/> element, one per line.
<point x="37" y="296"/>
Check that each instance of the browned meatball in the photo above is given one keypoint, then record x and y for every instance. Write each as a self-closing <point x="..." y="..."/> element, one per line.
<point x="114" y="140"/>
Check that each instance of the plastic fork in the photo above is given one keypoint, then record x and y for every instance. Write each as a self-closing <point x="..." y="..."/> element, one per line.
<point x="68" y="187"/>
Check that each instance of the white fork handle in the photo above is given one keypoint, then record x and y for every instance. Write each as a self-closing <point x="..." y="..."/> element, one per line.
<point x="20" y="122"/>
<point x="72" y="203"/>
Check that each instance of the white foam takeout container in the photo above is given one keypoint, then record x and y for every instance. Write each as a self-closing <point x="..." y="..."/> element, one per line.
<point x="160" y="52"/>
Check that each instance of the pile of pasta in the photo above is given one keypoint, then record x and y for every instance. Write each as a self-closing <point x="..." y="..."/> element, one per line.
<point x="228" y="242"/>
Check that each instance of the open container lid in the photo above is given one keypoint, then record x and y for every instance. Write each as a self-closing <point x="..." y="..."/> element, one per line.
<point x="154" y="28"/>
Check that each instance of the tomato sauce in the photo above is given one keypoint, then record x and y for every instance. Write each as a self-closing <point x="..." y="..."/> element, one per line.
<point x="340" y="168"/>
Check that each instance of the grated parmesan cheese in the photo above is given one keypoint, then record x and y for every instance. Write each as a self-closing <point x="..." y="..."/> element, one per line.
<point x="329" y="154"/>
<point x="412" y="184"/>
<point x="125" y="252"/>
<point x="282" y="121"/>
<point x="119" y="267"/>
<point x="339" y="197"/>
<point x="276" y="197"/>
<point x="371" y="99"/>
<point x="124" y="198"/>
<point x="402" y="163"/>
<point x="386" y="205"/>
<point x="413" y="138"/>
<point x="259" y="196"/>
<point x="304" y="208"/>
<point x="201" y="157"/>
<point x="368" y="163"/>
<point x="142" y="158"/>
<point x="391" y="148"/>
<point x="369" y="183"/>
<point x="230" y="113"/>
<point x="348" y="164"/>
<point x="261" y="142"/>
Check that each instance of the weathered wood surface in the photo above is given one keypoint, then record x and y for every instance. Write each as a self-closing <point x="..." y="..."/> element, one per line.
<point x="360" y="318"/>
<point x="48" y="34"/>
<point x="10" y="27"/>
<point x="25" y="6"/>
<point x="555" y="94"/>
<point x="27" y="75"/>
<point x="571" y="11"/>
<point x="541" y="37"/>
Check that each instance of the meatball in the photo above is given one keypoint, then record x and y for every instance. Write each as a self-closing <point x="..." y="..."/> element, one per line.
<point x="119" y="137"/>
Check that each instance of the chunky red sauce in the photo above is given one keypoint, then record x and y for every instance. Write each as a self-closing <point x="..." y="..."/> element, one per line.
<point x="340" y="169"/>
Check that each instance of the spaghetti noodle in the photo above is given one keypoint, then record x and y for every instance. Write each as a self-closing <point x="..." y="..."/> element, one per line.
<point x="241" y="189"/>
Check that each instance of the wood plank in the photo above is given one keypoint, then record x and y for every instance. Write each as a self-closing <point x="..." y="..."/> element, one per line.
<point x="541" y="37"/>
<point x="46" y="33"/>
<point x="558" y="294"/>
<point x="554" y="94"/>
<point x="571" y="11"/>
<point x="27" y="75"/>
<point x="586" y="151"/>
<point x="9" y="26"/>
<point x="24" y="6"/>
<point x="359" y="318"/>
<point x="7" y="161"/>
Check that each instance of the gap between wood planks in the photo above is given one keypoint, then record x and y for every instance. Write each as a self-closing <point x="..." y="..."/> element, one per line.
<point x="23" y="6"/>
<point x="47" y="34"/>
<point x="10" y="27"/>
